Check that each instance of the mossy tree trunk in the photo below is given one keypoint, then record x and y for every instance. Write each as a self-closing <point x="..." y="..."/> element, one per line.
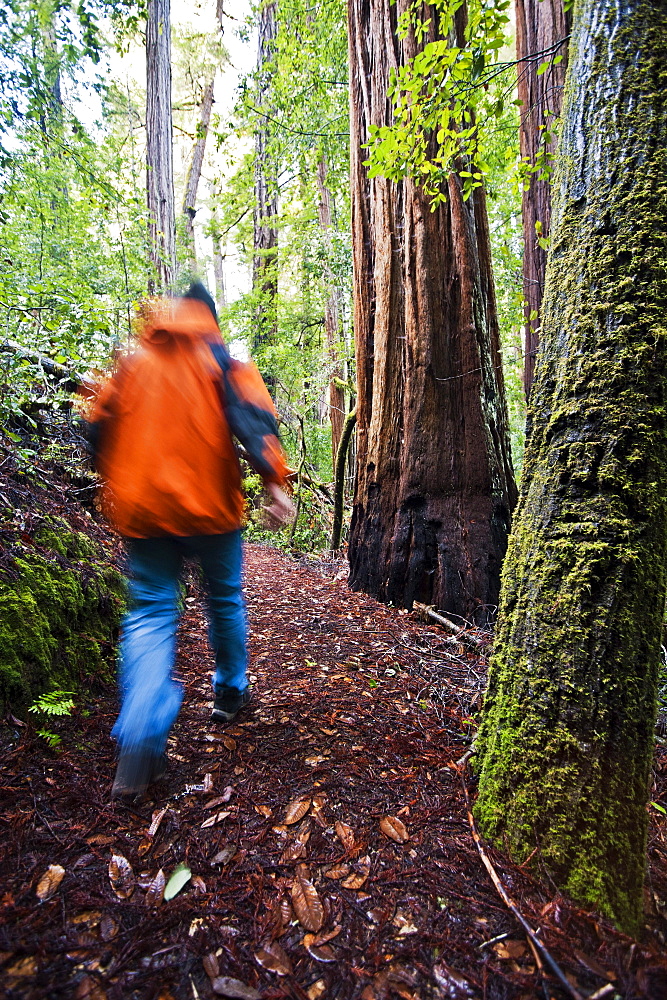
<point x="434" y="477"/>
<point x="566" y="740"/>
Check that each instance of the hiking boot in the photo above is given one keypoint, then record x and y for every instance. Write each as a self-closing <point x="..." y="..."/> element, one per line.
<point x="136" y="770"/>
<point x="228" y="703"/>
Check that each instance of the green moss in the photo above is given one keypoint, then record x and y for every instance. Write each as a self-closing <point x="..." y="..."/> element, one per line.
<point x="566" y="739"/>
<point x="60" y="608"/>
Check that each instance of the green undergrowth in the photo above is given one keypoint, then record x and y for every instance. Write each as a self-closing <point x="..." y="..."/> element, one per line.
<point x="60" y="606"/>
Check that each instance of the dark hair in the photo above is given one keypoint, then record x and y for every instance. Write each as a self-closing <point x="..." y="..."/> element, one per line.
<point x="199" y="292"/>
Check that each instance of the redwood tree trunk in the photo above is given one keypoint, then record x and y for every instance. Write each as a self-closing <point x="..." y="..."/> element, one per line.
<point x="566" y="742"/>
<point x="265" y="273"/>
<point x="332" y="321"/>
<point x="434" y="485"/>
<point x="159" y="159"/>
<point x="541" y="34"/>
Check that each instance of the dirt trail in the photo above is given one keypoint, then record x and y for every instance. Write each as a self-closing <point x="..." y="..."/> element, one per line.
<point x="372" y="887"/>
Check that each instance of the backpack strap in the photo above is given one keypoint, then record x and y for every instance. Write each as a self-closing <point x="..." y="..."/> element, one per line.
<point x="248" y="414"/>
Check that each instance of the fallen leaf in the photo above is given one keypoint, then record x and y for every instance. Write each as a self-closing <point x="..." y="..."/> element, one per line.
<point x="338" y="871"/>
<point x="208" y="783"/>
<point x="218" y="801"/>
<point x="199" y="885"/>
<point x="50" y="881"/>
<point x="451" y="981"/>
<point x="22" y="967"/>
<point x="274" y="958"/>
<point x="303" y="834"/>
<point x="264" y="811"/>
<point x="229" y="742"/>
<point x="155" y="890"/>
<point x="89" y="989"/>
<point x="227" y="987"/>
<point x="307" y="904"/>
<point x="296" y="810"/>
<point x="316" y="989"/>
<point x="101" y="839"/>
<point x="155" y="822"/>
<point x="108" y="928"/>
<point x="408" y="928"/>
<point x="211" y="965"/>
<point x="224" y="856"/>
<point x="324" y="936"/>
<point x="345" y="834"/>
<point x="322" y="953"/>
<point x="165" y="846"/>
<point x="121" y="876"/>
<point x="394" y="828"/>
<point x="292" y="852"/>
<point x="286" y="912"/>
<point x="354" y="881"/>
<point x="215" y="818"/>
<point x="180" y="876"/>
<point x="510" y="949"/>
<point x="88" y="917"/>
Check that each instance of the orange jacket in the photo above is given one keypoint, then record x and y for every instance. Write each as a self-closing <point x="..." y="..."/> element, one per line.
<point x="164" y="443"/>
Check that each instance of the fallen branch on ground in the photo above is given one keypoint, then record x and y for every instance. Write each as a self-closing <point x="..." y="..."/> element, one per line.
<point x="427" y="611"/>
<point x="533" y="939"/>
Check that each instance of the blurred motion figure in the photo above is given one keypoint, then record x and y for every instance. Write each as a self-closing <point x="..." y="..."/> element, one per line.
<point x="162" y="430"/>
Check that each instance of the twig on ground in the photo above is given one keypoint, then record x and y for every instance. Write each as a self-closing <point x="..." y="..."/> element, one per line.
<point x="458" y="632"/>
<point x="511" y="905"/>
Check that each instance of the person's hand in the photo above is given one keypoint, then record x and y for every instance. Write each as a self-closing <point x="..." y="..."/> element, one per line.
<point x="281" y="510"/>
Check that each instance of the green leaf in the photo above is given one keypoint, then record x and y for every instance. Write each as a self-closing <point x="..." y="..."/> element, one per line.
<point x="543" y="67"/>
<point x="180" y="876"/>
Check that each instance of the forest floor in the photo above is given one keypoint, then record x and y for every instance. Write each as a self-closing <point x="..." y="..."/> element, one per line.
<point x="325" y="831"/>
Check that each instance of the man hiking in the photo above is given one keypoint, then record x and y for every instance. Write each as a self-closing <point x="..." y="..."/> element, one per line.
<point x="162" y="430"/>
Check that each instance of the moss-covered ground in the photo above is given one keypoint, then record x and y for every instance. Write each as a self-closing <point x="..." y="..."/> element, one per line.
<point x="61" y="593"/>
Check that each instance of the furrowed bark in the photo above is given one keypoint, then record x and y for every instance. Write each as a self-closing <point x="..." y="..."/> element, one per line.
<point x="159" y="159"/>
<point x="434" y="483"/>
<point x="541" y="35"/>
<point x="566" y="740"/>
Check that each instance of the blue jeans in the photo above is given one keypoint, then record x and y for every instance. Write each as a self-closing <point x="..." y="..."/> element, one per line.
<point x="150" y="697"/>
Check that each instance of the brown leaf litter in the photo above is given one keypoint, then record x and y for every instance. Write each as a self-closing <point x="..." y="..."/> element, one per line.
<point x="325" y="832"/>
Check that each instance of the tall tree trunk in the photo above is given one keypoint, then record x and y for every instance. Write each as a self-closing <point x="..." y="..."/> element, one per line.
<point x="197" y="162"/>
<point x="434" y="478"/>
<point x="51" y="67"/>
<point x="541" y="32"/>
<point x="567" y="736"/>
<point x="264" y="273"/>
<point x="219" y="272"/>
<point x="159" y="158"/>
<point x="332" y="320"/>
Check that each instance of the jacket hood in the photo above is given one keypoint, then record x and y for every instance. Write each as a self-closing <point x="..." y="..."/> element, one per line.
<point x="178" y="319"/>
